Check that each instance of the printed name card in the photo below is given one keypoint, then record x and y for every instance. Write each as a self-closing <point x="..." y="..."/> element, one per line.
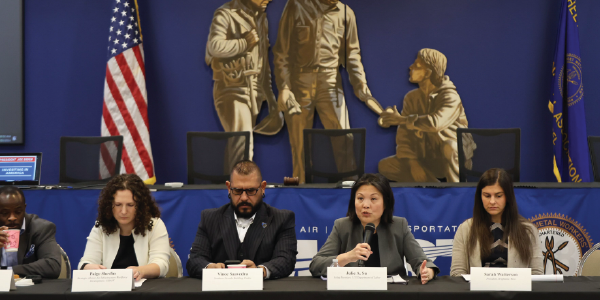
<point x="114" y="280"/>
<point x="361" y="279"/>
<point x="500" y="279"/>
<point x="7" y="281"/>
<point x="232" y="279"/>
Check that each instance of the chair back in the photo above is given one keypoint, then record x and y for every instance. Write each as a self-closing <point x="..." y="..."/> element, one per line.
<point x="211" y="155"/>
<point x="594" y="145"/>
<point x="90" y="160"/>
<point x="482" y="149"/>
<point x="65" y="265"/>
<point x="590" y="263"/>
<point x="175" y="267"/>
<point x="331" y="155"/>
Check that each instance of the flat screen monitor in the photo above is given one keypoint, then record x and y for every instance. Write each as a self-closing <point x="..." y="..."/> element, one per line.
<point x="20" y="168"/>
<point x="11" y="72"/>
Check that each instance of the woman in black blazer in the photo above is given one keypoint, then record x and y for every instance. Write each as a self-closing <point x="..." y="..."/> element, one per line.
<point x="372" y="201"/>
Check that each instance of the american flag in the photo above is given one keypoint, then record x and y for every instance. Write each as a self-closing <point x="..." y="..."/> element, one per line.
<point x="125" y="109"/>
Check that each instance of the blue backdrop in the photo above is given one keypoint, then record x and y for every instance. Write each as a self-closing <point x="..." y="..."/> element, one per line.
<point x="433" y="215"/>
<point x="500" y="57"/>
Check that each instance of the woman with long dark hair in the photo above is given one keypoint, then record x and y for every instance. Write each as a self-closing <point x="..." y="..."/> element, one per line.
<point x="497" y="236"/>
<point x="372" y="201"/>
<point x="129" y="233"/>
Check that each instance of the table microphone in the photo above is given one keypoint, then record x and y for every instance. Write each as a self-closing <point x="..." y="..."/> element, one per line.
<point x="369" y="230"/>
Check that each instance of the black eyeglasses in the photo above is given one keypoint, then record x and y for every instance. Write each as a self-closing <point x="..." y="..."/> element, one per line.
<point x="249" y="192"/>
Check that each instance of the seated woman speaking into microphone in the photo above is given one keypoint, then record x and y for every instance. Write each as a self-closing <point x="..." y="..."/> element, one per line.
<point x="129" y="233"/>
<point x="497" y="236"/>
<point x="372" y="201"/>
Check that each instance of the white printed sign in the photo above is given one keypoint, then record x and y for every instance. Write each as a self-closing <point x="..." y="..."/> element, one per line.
<point x="7" y="281"/>
<point x="500" y="279"/>
<point x="232" y="279"/>
<point x="361" y="279"/>
<point x="108" y="280"/>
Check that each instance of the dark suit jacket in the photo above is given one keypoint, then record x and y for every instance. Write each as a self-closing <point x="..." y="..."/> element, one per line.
<point x="395" y="243"/>
<point x="272" y="245"/>
<point x="44" y="260"/>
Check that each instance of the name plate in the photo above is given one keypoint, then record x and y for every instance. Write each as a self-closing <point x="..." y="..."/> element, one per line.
<point x="113" y="280"/>
<point x="500" y="279"/>
<point x="361" y="279"/>
<point x="232" y="279"/>
<point x="7" y="281"/>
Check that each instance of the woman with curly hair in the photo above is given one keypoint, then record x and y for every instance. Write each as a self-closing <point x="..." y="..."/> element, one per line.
<point x="129" y="233"/>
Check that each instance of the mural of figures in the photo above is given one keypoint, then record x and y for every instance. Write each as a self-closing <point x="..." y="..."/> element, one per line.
<point x="316" y="37"/>
<point x="237" y="50"/>
<point x="426" y="138"/>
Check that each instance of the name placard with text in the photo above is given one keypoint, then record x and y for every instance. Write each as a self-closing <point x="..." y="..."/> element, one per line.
<point x="232" y="279"/>
<point x="7" y="281"/>
<point x="358" y="279"/>
<point x="117" y="280"/>
<point x="500" y="279"/>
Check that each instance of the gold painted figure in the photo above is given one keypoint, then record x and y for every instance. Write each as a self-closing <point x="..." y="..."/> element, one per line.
<point x="237" y="50"/>
<point x="315" y="38"/>
<point x="426" y="138"/>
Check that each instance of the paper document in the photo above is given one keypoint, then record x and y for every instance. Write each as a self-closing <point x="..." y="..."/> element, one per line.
<point x="396" y="279"/>
<point x="552" y="277"/>
<point x="138" y="283"/>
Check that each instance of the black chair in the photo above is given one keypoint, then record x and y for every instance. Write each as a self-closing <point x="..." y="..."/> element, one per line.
<point x="211" y="155"/>
<point x="490" y="148"/>
<point x="331" y="155"/>
<point x="90" y="160"/>
<point x="594" y="145"/>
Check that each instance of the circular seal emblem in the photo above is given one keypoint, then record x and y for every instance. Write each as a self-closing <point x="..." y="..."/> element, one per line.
<point x="569" y="80"/>
<point x="563" y="242"/>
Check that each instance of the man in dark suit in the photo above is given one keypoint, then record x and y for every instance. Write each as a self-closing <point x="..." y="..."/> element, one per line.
<point x="246" y="229"/>
<point x="38" y="252"/>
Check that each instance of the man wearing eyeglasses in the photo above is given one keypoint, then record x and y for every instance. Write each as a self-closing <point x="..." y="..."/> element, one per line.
<point x="246" y="229"/>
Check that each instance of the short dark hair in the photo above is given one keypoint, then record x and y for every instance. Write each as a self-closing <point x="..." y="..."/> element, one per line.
<point x="12" y="190"/>
<point x="383" y="186"/>
<point x="146" y="207"/>
<point x="246" y="167"/>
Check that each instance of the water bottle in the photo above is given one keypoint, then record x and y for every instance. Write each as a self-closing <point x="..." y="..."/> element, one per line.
<point x="334" y="264"/>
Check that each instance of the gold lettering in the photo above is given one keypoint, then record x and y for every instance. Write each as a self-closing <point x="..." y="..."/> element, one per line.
<point x="572" y="171"/>
<point x="554" y="138"/>
<point x="558" y="118"/>
<point x="573" y="10"/>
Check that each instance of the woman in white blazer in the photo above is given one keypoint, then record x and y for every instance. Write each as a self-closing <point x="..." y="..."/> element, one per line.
<point x="129" y="233"/>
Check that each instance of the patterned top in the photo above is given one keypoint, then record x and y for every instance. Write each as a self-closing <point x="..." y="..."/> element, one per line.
<point x="499" y="255"/>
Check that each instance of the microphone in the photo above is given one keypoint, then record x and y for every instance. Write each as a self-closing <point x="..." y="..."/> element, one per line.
<point x="369" y="230"/>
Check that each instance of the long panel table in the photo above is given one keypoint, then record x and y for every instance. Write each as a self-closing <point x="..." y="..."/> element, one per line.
<point x="564" y="212"/>
<point x="303" y="288"/>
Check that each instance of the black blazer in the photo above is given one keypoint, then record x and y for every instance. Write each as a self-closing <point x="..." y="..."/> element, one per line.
<point x="272" y="244"/>
<point x="40" y="247"/>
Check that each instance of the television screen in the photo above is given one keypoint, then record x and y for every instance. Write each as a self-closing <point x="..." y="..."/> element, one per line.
<point x="20" y="168"/>
<point x="11" y="72"/>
